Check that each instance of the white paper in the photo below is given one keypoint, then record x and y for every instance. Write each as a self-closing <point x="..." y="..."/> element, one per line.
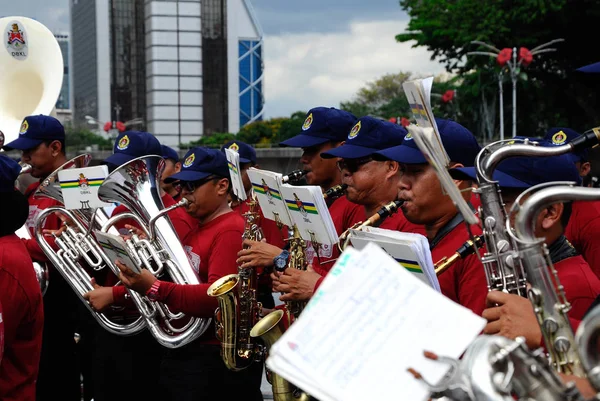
<point x="267" y="188"/>
<point x="79" y="187"/>
<point x="233" y="162"/>
<point x="116" y="249"/>
<point x="365" y="326"/>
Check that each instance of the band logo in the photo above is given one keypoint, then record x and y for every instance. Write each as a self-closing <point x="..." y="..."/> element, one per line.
<point x="16" y="40"/>
<point x="308" y="122"/>
<point x="84" y="185"/>
<point x="234" y="146"/>
<point x="189" y="160"/>
<point x="123" y="143"/>
<point x="355" y="130"/>
<point x="559" y="138"/>
<point x="24" y="127"/>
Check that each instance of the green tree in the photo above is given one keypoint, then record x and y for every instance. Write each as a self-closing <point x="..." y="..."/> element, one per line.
<point x="78" y="138"/>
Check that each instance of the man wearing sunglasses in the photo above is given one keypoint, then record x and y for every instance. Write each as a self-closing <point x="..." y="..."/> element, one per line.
<point x="191" y="372"/>
<point x="172" y="166"/>
<point x="324" y="128"/>
<point x="42" y="144"/>
<point x="426" y="203"/>
<point x="372" y="183"/>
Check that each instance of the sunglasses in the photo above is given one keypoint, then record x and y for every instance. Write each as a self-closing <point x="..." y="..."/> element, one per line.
<point x="191" y="186"/>
<point x="353" y="165"/>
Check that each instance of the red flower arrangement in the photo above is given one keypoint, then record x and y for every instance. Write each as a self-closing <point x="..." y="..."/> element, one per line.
<point x="525" y="56"/>
<point x="504" y="56"/>
<point x="107" y="126"/>
<point x="448" y="96"/>
<point x="405" y="122"/>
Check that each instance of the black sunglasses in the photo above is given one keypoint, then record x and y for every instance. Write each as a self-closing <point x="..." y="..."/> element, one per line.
<point x="353" y="165"/>
<point x="191" y="186"/>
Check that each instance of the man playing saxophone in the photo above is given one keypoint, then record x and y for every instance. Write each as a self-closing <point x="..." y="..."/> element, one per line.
<point x="42" y="143"/>
<point x="196" y="370"/>
<point x="511" y="315"/>
<point x="425" y="203"/>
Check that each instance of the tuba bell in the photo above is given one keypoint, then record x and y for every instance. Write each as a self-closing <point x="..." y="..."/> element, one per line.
<point x="136" y="185"/>
<point x="78" y="249"/>
<point x="32" y="67"/>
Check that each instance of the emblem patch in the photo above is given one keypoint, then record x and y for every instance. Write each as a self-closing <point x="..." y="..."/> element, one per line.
<point x="234" y="146"/>
<point x="123" y="143"/>
<point x="308" y="122"/>
<point x="16" y="40"/>
<point x="24" y="127"/>
<point x="189" y="160"/>
<point x="408" y="137"/>
<point x="355" y="130"/>
<point x="559" y="138"/>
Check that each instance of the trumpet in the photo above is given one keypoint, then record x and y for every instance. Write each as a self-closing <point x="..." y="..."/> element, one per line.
<point x="384" y="212"/>
<point x="335" y="192"/>
<point x="293" y="176"/>
<point x="468" y="248"/>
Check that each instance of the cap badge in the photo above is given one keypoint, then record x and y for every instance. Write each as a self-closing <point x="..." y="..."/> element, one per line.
<point x="189" y="160"/>
<point x="354" y="131"/>
<point x="123" y="143"/>
<point x="308" y="122"/>
<point x="408" y="137"/>
<point x="24" y="127"/>
<point x="559" y="138"/>
<point x="234" y="146"/>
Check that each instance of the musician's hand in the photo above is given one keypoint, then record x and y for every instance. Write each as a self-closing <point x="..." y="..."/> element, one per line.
<point x="298" y="285"/>
<point x="257" y="254"/>
<point x="275" y="283"/>
<point x="140" y="233"/>
<point x="52" y="233"/>
<point x="583" y="385"/>
<point x="100" y="297"/>
<point x="140" y="283"/>
<point x="511" y="316"/>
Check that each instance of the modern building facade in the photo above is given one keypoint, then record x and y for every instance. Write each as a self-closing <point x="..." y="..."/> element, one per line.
<point x="185" y="67"/>
<point x="64" y="100"/>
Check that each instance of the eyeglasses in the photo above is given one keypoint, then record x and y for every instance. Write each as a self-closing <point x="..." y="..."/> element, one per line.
<point x="353" y="165"/>
<point x="191" y="186"/>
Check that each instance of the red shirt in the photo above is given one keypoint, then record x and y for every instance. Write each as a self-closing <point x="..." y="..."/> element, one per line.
<point x="582" y="231"/>
<point x="36" y="206"/>
<point x="398" y="222"/>
<point x="23" y="318"/>
<point x="465" y="281"/>
<point x="580" y="284"/>
<point x="213" y="249"/>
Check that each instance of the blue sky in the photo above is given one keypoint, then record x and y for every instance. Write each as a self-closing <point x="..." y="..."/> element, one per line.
<point x="317" y="52"/>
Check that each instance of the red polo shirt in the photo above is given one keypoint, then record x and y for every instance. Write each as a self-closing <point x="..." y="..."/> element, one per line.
<point x="36" y="206"/>
<point x="582" y="231"/>
<point x="580" y="284"/>
<point x="23" y="318"/>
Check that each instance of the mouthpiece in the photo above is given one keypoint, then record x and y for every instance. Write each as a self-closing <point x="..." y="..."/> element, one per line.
<point x="334" y="192"/>
<point x="25" y="168"/>
<point x="588" y="139"/>
<point x="293" y="176"/>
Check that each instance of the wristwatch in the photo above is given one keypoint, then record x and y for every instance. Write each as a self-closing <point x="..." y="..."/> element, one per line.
<point x="280" y="261"/>
<point x="152" y="293"/>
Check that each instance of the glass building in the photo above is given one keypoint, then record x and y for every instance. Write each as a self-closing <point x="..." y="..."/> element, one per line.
<point x="64" y="99"/>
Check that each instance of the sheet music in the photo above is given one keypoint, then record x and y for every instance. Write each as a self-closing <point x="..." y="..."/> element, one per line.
<point x="267" y="187"/>
<point x="366" y="325"/>
<point x="233" y="162"/>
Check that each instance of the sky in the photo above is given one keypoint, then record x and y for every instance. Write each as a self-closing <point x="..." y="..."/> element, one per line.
<point x="316" y="52"/>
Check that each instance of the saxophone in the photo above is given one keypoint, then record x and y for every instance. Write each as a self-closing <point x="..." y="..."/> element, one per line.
<point x="547" y="294"/>
<point x="297" y="261"/>
<point x="239" y="309"/>
<point x="469" y="247"/>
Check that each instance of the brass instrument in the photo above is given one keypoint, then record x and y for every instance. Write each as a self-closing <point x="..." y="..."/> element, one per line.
<point x="78" y="248"/>
<point x="587" y="338"/>
<point x="239" y="309"/>
<point x="25" y="168"/>
<point x="335" y="192"/>
<point x="546" y="293"/>
<point x="136" y="184"/>
<point x="384" y="212"/>
<point x="468" y="248"/>
<point x="270" y="329"/>
<point x="297" y="261"/>
<point x="293" y="176"/>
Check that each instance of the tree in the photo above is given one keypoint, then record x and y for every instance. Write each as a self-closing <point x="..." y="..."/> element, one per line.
<point x="78" y="138"/>
<point x="553" y="93"/>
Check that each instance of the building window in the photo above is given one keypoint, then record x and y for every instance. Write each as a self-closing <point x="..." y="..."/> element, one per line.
<point x="250" y="81"/>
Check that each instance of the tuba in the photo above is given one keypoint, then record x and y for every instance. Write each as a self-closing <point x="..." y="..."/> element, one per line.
<point x="136" y="184"/>
<point x="239" y="309"/>
<point x="31" y="66"/>
<point x="78" y="249"/>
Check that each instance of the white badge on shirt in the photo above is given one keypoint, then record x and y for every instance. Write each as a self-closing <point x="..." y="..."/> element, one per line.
<point x="194" y="259"/>
<point x="34" y="211"/>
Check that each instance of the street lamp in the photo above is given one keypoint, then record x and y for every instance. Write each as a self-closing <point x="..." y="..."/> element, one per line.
<point x="113" y="131"/>
<point x="508" y="57"/>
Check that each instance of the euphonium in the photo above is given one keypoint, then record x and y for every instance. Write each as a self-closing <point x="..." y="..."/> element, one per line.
<point x="468" y="248"/>
<point x="41" y="269"/>
<point x="383" y="213"/>
<point x="587" y="338"/>
<point x="136" y="184"/>
<point x="503" y="270"/>
<point x="270" y="329"/>
<point x="238" y="307"/>
<point x="547" y="294"/>
<point x="25" y="168"/>
<point x="77" y="247"/>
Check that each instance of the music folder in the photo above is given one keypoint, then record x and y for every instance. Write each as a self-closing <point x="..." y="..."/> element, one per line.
<point x="233" y="162"/>
<point x="267" y="188"/>
<point x="116" y="249"/>
<point x="79" y="187"/>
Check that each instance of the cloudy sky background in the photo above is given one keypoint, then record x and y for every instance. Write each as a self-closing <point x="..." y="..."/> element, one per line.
<point x="317" y="52"/>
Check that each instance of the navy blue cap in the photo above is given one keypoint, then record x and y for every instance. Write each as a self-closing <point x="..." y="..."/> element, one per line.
<point x="322" y="124"/>
<point x="459" y="143"/>
<point x="246" y="152"/>
<point x="9" y="172"/>
<point x="35" y="130"/>
<point x="199" y="163"/>
<point x="525" y="172"/>
<point x="367" y="137"/>
<point x="130" y="145"/>
<point x="169" y="153"/>
<point x="559" y="136"/>
<point x="590" y="68"/>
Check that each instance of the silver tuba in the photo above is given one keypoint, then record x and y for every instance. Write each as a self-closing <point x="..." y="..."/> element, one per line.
<point x="587" y="338"/>
<point x="136" y="185"/>
<point x="77" y="247"/>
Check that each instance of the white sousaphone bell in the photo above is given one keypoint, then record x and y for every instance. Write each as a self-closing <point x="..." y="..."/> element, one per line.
<point x="32" y="73"/>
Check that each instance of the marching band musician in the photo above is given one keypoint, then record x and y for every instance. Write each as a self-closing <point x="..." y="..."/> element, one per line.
<point x="323" y="129"/>
<point x="23" y="313"/>
<point x="514" y="316"/>
<point x="42" y="143"/>
<point x="172" y="166"/>
<point x="425" y="203"/>
<point x="273" y="235"/>
<point x="584" y="223"/>
<point x="372" y="183"/>
<point x="196" y="370"/>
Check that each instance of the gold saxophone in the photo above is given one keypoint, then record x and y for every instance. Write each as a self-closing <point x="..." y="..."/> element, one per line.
<point x="238" y="307"/>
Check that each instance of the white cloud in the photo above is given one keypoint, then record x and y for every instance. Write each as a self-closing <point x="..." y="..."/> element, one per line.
<point x="310" y="69"/>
